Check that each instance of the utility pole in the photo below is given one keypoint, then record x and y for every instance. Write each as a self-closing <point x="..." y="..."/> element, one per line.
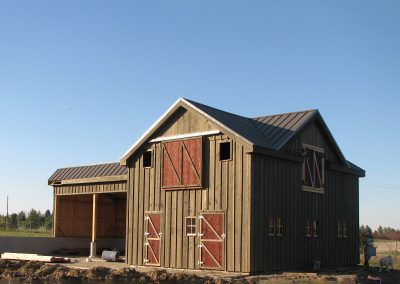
<point x="7" y="216"/>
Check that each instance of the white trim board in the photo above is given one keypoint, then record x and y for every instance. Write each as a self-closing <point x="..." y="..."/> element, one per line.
<point x="186" y="135"/>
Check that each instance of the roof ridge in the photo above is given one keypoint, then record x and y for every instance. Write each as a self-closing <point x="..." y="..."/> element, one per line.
<point x="285" y="113"/>
<point x="231" y="113"/>
<point x="88" y="165"/>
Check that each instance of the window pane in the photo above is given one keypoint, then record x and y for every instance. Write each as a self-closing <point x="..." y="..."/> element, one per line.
<point x="190" y="223"/>
<point x="319" y="169"/>
<point x="279" y="226"/>
<point x="316" y="228"/>
<point x="344" y="229"/>
<point x="308" y="167"/>
<point x="308" y="228"/>
<point x="271" y="226"/>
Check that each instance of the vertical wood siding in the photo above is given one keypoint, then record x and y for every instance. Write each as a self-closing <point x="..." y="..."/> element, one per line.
<point x="277" y="192"/>
<point x="226" y="188"/>
<point x="74" y="216"/>
<point x="117" y="186"/>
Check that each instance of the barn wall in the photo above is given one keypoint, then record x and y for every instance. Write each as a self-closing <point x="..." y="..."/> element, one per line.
<point x="226" y="188"/>
<point x="277" y="192"/>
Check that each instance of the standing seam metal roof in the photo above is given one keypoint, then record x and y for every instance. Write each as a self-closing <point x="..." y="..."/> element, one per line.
<point x="90" y="171"/>
<point x="271" y="132"/>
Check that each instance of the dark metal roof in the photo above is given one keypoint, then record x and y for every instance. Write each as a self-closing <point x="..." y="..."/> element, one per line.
<point x="279" y="128"/>
<point x="90" y="171"/>
<point x="241" y="125"/>
<point x="271" y="132"/>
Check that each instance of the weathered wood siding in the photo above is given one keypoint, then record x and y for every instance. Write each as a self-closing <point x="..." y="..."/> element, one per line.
<point x="117" y="186"/>
<point x="277" y="192"/>
<point x="226" y="188"/>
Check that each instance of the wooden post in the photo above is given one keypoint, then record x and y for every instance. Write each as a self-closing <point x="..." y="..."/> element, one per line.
<point x="7" y="216"/>
<point x="55" y="216"/>
<point x="94" y="227"/>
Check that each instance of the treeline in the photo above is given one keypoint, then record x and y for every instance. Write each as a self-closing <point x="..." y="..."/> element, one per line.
<point x="27" y="220"/>
<point x="386" y="233"/>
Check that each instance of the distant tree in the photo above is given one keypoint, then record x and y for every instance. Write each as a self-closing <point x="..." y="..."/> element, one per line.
<point x="48" y="219"/>
<point x="13" y="220"/>
<point x="47" y="214"/>
<point x="21" y="216"/>
<point x="33" y="219"/>
<point x="387" y="233"/>
<point x="2" y="221"/>
<point x="365" y="232"/>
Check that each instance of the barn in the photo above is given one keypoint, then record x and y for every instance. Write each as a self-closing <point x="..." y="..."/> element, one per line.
<point x="208" y="189"/>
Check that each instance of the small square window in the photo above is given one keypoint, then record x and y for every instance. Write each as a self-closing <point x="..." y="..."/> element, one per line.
<point x="225" y="151"/>
<point x="190" y="225"/>
<point x="148" y="159"/>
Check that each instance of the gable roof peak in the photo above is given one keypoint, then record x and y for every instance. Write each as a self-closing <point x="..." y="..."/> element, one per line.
<point x="313" y="110"/>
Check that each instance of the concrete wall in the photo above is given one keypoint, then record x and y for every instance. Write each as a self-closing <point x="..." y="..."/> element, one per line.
<point x="48" y="246"/>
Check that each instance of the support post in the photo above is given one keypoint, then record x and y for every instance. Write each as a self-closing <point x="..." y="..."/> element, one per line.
<point x="55" y="216"/>
<point x="94" y="227"/>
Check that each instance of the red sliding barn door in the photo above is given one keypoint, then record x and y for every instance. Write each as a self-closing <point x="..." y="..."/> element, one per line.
<point x="182" y="164"/>
<point x="152" y="237"/>
<point x="212" y="240"/>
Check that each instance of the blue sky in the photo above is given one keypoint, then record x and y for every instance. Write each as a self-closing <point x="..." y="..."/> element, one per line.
<point x="80" y="81"/>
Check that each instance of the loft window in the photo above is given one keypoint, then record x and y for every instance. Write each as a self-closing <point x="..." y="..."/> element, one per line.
<point x="148" y="159"/>
<point x="275" y="226"/>
<point x="190" y="225"/>
<point x="312" y="228"/>
<point x="225" y="150"/>
<point x="313" y="169"/>
<point x="342" y="229"/>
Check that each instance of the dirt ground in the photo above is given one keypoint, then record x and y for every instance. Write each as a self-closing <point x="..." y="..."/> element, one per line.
<point x="36" y="270"/>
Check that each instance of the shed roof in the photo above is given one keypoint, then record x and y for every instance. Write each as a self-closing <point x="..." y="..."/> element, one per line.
<point x="113" y="169"/>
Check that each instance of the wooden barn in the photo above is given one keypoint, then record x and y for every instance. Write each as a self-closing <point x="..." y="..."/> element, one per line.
<point x="208" y="189"/>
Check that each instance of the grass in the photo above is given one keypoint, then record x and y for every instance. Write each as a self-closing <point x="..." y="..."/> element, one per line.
<point x="28" y="233"/>
<point x="374" y="261"/>
<point x="385" y="248"/>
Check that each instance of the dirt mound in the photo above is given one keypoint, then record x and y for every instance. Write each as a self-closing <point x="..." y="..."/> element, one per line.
<point x="36" y="270"/>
